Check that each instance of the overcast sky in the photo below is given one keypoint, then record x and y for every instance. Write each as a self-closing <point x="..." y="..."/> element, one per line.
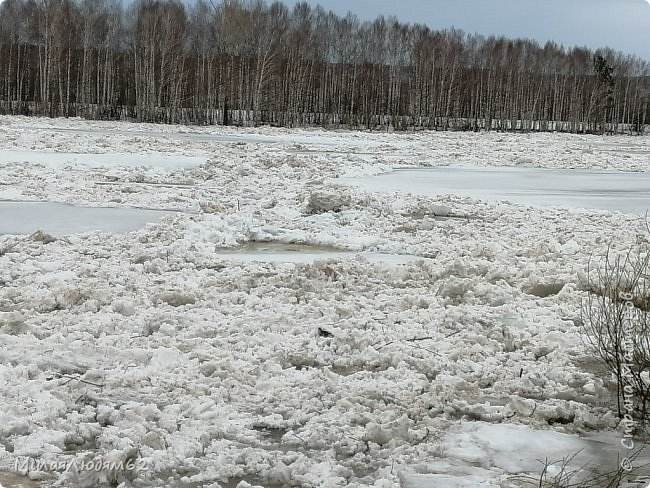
<point x="620" y="24"/>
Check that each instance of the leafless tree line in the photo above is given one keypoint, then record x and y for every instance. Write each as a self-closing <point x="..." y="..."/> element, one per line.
<point x="249" y="62"/>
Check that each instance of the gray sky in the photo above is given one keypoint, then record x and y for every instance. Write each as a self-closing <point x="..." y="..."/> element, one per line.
<point x="623" y="25"/>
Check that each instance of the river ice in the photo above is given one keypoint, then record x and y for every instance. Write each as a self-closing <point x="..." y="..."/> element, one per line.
<point x="457" y="363"/>
<point x="627" y="192"/>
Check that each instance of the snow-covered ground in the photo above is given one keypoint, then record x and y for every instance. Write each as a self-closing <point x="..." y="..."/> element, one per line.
<point x="207" y="367"/>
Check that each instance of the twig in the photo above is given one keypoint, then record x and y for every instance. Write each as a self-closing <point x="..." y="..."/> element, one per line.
<point x="414" y="339"/>
<point x="9" y="247"/>
<point x="435" y="353"/>
<point x="300" y="439"/>
<point x="78" y="378"/>
<point x="426" y="436"/>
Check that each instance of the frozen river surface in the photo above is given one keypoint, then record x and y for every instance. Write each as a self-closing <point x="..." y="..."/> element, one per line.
<point x="262" y="334"/>
<point x="627" y="192"/>
<point x="61" y="219"/>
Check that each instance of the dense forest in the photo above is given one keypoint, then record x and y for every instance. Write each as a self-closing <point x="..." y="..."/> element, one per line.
<point x="251" y="62"/>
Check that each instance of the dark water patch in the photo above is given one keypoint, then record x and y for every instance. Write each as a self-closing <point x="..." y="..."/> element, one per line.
<point x="15" y="480"/>
<point x="544" y="290"/>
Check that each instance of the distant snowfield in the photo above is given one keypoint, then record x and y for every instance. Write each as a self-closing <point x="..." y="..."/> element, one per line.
<point x="427" y="341"/>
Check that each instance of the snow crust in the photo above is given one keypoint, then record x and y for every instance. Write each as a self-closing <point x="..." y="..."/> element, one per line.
<point x="213" y="370"/>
